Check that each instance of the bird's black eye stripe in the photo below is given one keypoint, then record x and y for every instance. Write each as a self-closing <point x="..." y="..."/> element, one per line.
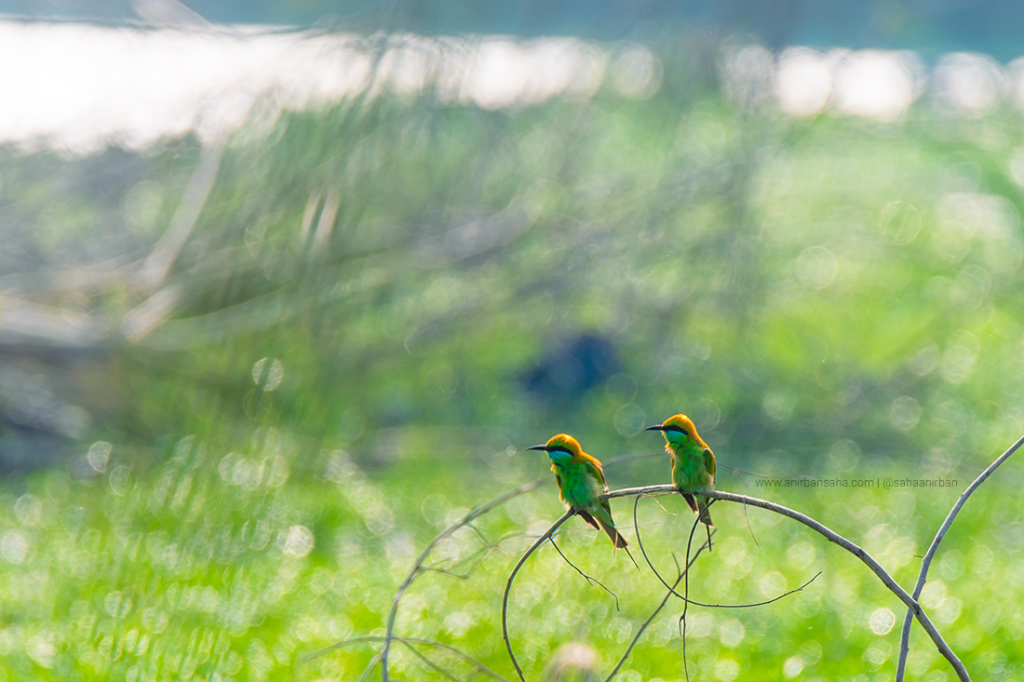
<point x="560" y="449"/>
<point x="678" y="429"/>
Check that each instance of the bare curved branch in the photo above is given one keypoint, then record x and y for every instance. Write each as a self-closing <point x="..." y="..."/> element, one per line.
<point x="417" y="567"/>
<point x="512" y="576"/>
<point x="408" y="641"/>
<point x="647" y="623"/>
<point x="428" y="662"/>
<point x="831" y="536"/>
<point x="686" y="582"/>
<point x="671" y="588"/>
<point x="926" y="563"/>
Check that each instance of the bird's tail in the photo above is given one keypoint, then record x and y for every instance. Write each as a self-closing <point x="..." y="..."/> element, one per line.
<point x="603" y="519"/>
<point x="699" y="505"/>
<point x="616" y="536"/>
<point x="705" y="514"/>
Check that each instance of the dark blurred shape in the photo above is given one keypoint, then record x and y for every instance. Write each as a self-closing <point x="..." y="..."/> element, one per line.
<point x="40" y="421"/>
<point x="573" y="368"/>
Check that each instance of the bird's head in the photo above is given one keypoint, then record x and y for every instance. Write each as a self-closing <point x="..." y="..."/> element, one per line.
<point x="677" y="430"/>
<point x="561" y="448"/>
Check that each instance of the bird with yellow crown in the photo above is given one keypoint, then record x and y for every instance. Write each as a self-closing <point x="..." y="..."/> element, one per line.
<point x="580" y="480"/>
<point x="693" y="463"/>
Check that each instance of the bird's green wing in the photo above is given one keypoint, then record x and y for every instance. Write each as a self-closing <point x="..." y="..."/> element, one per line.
<point x="594" y="469"/>
<point x="709" y="462"/>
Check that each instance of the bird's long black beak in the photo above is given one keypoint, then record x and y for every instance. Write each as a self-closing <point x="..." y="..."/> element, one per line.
<point x="539" y="447"/>
<point x="656" y="427"/>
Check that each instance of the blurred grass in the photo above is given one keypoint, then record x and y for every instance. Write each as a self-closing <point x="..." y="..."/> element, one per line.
<point x="235" y="565"/>
<point x="751" y="270"/>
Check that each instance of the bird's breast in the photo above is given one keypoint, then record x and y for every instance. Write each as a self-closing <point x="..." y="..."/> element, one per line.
<point x="579" y="489"/>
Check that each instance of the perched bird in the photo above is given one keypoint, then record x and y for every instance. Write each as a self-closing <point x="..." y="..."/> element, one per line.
<point x="693" y="463"/>
<point x="580" y="480"/>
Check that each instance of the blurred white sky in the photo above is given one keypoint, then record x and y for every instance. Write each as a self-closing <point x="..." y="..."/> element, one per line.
<point x="80" y="87"/>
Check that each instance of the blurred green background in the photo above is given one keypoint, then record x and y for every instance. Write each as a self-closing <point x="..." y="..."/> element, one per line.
<point x="384" y="302"/>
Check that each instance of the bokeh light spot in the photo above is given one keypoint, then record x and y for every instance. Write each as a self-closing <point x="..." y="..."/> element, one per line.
<point x="299" y="542"/>
<point x="271" y="375"/>
<point x="28" y="509"/>
<point x="98" y="455"/>
<point x="778" y="405"/>
<point x="772" y="584"/>
<point x="731" y="632"/>
<point x="969" y="83"/>
<point x="636" y="73"/>
<point x="705" y="414"/>
<point x="629" y="419"/>
<point x="816" y="267"/>
<point x="881" y="621"/>
<point x="803" y="81"/>
<point x="900" y="221"/>
<point x="874" y="656"/>
<point x="726" y="669"/>
<point x="15" y="546"/>
<point x="875" y="84"/>
<point x="793" y="666"/>
<point x="905" y="413"/>
<point x="801" y="555"/>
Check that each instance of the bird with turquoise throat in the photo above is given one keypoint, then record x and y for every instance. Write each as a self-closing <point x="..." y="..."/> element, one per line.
<point x="693" y="463"/>
<point x="580" y="480"/>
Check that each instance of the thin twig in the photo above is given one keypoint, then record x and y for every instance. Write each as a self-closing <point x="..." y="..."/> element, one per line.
<point x="737" y="470"/>
<point x="477" y="664"/>
<point x="686" y="589"/>
<point x="833" y="537"/>
<point x="647" y="623"/>
<point x="685" y="597"/>
<point x="508" y="586"/>
<point x="418" y="565"/>
<point x="426" y="659"/>
<point x="473" y="561"/>
<point x="589" y="579"/>
<point x="338" y="645"/>
<point x="926" y="563"/>
<point x="416" y="640"/>
<point x="479" y="533"/>
<point x="663" y="507"/>
<point x="445" y="571"/>
<point x="750" y="528"/>
<point x="506" y="538"/>
<point x="370" y="667"/>
<point x="705" y="513"/>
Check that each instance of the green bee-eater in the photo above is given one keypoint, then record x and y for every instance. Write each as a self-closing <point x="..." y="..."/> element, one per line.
<point x="580" y="480"/>
<point x="693" y="463"/>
